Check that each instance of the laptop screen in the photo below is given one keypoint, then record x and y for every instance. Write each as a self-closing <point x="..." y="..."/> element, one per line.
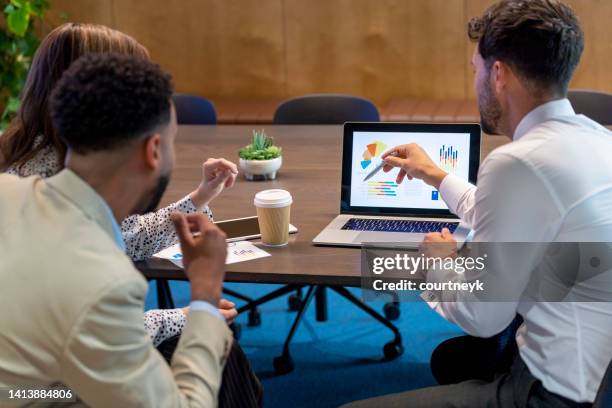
<point x="454" y="148"/>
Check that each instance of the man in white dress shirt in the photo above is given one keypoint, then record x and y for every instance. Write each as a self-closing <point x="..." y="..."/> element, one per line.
<point x="553" y="183"/>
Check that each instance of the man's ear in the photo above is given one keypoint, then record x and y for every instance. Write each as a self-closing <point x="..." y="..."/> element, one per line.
<point x="500" y="75"/>
<point x="152" y="151"/>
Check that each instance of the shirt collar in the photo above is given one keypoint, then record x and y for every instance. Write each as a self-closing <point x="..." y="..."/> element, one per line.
<point x="75" y="189"/>
<point x="543" y="113"/>
<point x="116" y="230"/>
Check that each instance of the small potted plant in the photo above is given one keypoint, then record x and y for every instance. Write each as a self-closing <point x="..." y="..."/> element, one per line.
<point x="260" y="160"/>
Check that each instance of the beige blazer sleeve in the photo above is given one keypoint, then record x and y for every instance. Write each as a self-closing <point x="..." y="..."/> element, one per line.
<point x="109" y="360"/>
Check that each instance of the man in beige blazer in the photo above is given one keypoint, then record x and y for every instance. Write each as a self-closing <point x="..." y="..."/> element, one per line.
<point x="71" y="302"/>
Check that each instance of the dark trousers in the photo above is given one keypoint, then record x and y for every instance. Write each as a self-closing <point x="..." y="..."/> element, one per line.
<point x="240" y="387"/>
<point x="517" y="388"/>
<point x="475" y="372"/>
<point x="474" y="358"/>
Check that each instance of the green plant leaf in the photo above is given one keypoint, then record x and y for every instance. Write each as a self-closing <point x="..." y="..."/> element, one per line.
<point x="11" y="108"/>
<point x="249" y="152"/>
<point x="261" y="148"/>
<point x="18" y="20"/>
<point x="18" y="42"/>
<point x="38" y="7"/>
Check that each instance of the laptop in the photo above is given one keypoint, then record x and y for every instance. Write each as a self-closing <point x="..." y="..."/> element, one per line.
<point x="378" y="210"/>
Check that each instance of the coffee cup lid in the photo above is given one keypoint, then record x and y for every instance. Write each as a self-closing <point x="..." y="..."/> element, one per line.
<point x="274" y="198"/>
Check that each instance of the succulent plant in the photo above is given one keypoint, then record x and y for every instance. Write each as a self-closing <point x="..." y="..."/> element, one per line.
<point x="261" y="148"/>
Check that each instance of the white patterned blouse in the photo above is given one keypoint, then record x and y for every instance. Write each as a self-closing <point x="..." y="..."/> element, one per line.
<point x="144" y="235"/>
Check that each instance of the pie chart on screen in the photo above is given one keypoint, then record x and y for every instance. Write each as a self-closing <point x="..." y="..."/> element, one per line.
<point x="374" y="149"/>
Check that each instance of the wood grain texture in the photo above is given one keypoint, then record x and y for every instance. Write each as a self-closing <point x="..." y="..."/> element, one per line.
<point x="310" y="172"/>
<point x="595" y="68"/>
<point x="230" y="48"/>
<point x="378" y="49"/>
<point x="267" y="49"/>
<point x="82" y="11"/>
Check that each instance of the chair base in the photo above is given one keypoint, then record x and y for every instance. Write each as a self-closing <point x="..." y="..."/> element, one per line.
<point x="284" y="364"/>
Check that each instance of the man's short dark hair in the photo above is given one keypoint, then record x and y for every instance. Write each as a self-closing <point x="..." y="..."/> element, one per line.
<point x="104" y="101"/>
<point x="540" y="39"/>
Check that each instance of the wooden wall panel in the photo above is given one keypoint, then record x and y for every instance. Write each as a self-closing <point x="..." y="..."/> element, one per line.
<point x="82" y="11"/>
<point x="228" y="48"/>
<point x="595" y="69"/>
<point x="473" y="8"/>
<point x="380" y="49"/>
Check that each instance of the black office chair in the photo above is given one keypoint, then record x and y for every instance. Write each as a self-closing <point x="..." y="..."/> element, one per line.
<point x="194" y="110"/>
<point x="325" y="109"/>
<point x="596" y="105"/>
<point x="604" y="395"/>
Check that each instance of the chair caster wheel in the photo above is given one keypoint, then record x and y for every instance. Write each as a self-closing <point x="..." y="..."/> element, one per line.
<point x="237" y="330"/>
<point x="283" y="364"/>
<point x="254" y="318"/>
<point x="393" y="350"/>
<point x="295" y="302"/>
<point x="391" y="310"/>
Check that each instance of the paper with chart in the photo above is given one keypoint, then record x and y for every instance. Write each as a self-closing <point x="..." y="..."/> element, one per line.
<point x="239" y="251"/>
<point x="450" y="151"/>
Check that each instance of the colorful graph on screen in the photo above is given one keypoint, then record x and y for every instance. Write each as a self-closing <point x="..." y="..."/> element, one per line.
<point x="374" y="149"/>
<point x="449" y="158"/>
<point x="382" y="189"/>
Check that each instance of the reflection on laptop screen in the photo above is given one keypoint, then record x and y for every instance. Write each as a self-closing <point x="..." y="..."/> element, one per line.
<point x="450" y="151"/>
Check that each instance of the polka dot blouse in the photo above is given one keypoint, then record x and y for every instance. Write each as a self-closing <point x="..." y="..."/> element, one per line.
<point x="144" y="235"/>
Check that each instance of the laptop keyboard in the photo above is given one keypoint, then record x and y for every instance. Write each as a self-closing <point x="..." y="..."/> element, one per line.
<point x="376" y="224"/>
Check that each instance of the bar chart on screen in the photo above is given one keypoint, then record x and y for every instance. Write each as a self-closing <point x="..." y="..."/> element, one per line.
<point x="382" y="189"/>
<point x="449" y="158"/>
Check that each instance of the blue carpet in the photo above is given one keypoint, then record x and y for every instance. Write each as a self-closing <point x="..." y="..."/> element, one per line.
<point x="335" y="361"/>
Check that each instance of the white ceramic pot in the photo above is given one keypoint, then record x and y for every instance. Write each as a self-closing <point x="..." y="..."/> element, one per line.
<point x="260" y="169"/>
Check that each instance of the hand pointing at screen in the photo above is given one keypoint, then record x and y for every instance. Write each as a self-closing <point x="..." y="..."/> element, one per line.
<point x="413" y="162"/>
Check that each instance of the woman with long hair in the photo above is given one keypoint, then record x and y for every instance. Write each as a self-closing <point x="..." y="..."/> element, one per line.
<point x="30" y="146"/>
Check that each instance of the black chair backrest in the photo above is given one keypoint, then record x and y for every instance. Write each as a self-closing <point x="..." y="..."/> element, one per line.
<point x="604" y="395"/>
<point x="595" y="105"/>
<point x="325" y="109"/>
<point x="194" y="110"/>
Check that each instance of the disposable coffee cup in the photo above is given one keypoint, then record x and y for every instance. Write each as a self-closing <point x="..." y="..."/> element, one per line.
<point x="273" y="212"/>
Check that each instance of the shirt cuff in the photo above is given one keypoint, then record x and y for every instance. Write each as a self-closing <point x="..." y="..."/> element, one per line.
<point x="187" y="206"/>
<point x="201" y="305"/>
<point x="452" y="190"/>
<point x="433" y="302"/>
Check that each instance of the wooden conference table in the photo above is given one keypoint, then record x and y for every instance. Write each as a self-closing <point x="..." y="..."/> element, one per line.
<point x="312" y="157"/>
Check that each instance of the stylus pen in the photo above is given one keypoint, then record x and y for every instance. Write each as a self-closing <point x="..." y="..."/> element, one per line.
<point x="377" y="168"/>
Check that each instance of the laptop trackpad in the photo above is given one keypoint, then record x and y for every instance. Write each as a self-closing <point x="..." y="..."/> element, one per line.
<point x="373" y="236"/>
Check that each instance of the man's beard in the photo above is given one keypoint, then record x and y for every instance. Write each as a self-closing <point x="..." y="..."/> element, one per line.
<point x="490" y="110"/>
<point x="150" y="202"/>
